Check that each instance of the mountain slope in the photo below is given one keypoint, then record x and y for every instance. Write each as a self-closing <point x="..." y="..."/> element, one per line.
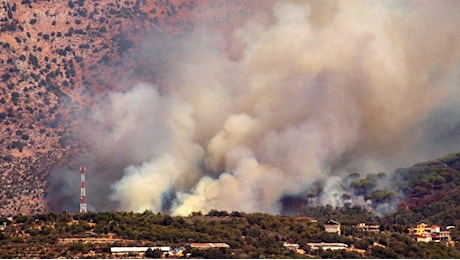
<point x="432" y="192"/>
<point x="55" y="58"/>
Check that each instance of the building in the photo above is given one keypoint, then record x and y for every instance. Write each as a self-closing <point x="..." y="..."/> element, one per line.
<point x="423" y="238"/>
<point x="423" y="233"/>
<point x="326" y="246"/>
<point x="435" y="228"/>
<point x="294" y="247"/>
<point x="332" y="226"/>
<point x="204" y="246"/>
<point x="368" y="228"/>
<point x="290" y="246"/>
<point x="137" y="250"/>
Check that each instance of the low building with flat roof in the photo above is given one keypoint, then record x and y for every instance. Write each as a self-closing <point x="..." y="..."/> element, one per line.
<point x="138" y="250"/>
<point x="291" y="246"/>
<point x="368" y="228"/>
<point x="204" y="246"/>
<point x="326" y="246"/>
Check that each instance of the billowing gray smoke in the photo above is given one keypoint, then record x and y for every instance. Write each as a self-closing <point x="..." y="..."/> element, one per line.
<point x="300" y="94"/>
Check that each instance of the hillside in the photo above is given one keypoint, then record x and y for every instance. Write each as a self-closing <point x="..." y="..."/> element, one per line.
<point x="432" y="189"/>
<point x="425" y="192"/>
<point x="247" y="236"/>
<point x="56" y="58"/>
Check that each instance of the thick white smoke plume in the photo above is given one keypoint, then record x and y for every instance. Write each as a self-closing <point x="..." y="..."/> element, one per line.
<point x="301" y="93"/>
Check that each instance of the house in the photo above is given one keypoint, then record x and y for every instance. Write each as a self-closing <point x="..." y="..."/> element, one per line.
<point x="326" y="246"/>
<point x="435" y="228"/>
<point x="423" y="233"/>
<point x="368" y="228"/>
<point x="204" y="246"/>
<point x="332" y="226"/>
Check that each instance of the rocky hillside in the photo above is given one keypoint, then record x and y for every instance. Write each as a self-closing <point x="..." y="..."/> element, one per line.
<point x="56" y="57"/>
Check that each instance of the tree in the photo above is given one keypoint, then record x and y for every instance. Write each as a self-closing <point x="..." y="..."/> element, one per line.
<point x="3" y="236"/>
<point x="381" y="252"/>
<point x="363" y="186"/>
<point x="156" y="253"/>
<point x="33" y="60"/>
<point x="167" y="220"/>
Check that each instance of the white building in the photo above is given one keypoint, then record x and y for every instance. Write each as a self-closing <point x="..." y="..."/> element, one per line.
<point x="326" y="246"/>
<point x="137" y="250"/>
<point x="290" y="246"/>
<point x="368" y="228"/>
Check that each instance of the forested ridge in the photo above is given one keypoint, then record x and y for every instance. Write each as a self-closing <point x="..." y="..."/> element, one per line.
<point x="253" y="235"/>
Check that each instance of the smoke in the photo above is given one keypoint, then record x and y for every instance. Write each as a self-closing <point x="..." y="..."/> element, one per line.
<point x="306" y="92"/>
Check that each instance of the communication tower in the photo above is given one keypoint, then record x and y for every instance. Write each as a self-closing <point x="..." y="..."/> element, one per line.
<point x="83" y="205"/>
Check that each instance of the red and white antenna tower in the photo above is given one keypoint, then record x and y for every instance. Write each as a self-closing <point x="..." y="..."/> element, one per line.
<point x="83" y="205"/>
